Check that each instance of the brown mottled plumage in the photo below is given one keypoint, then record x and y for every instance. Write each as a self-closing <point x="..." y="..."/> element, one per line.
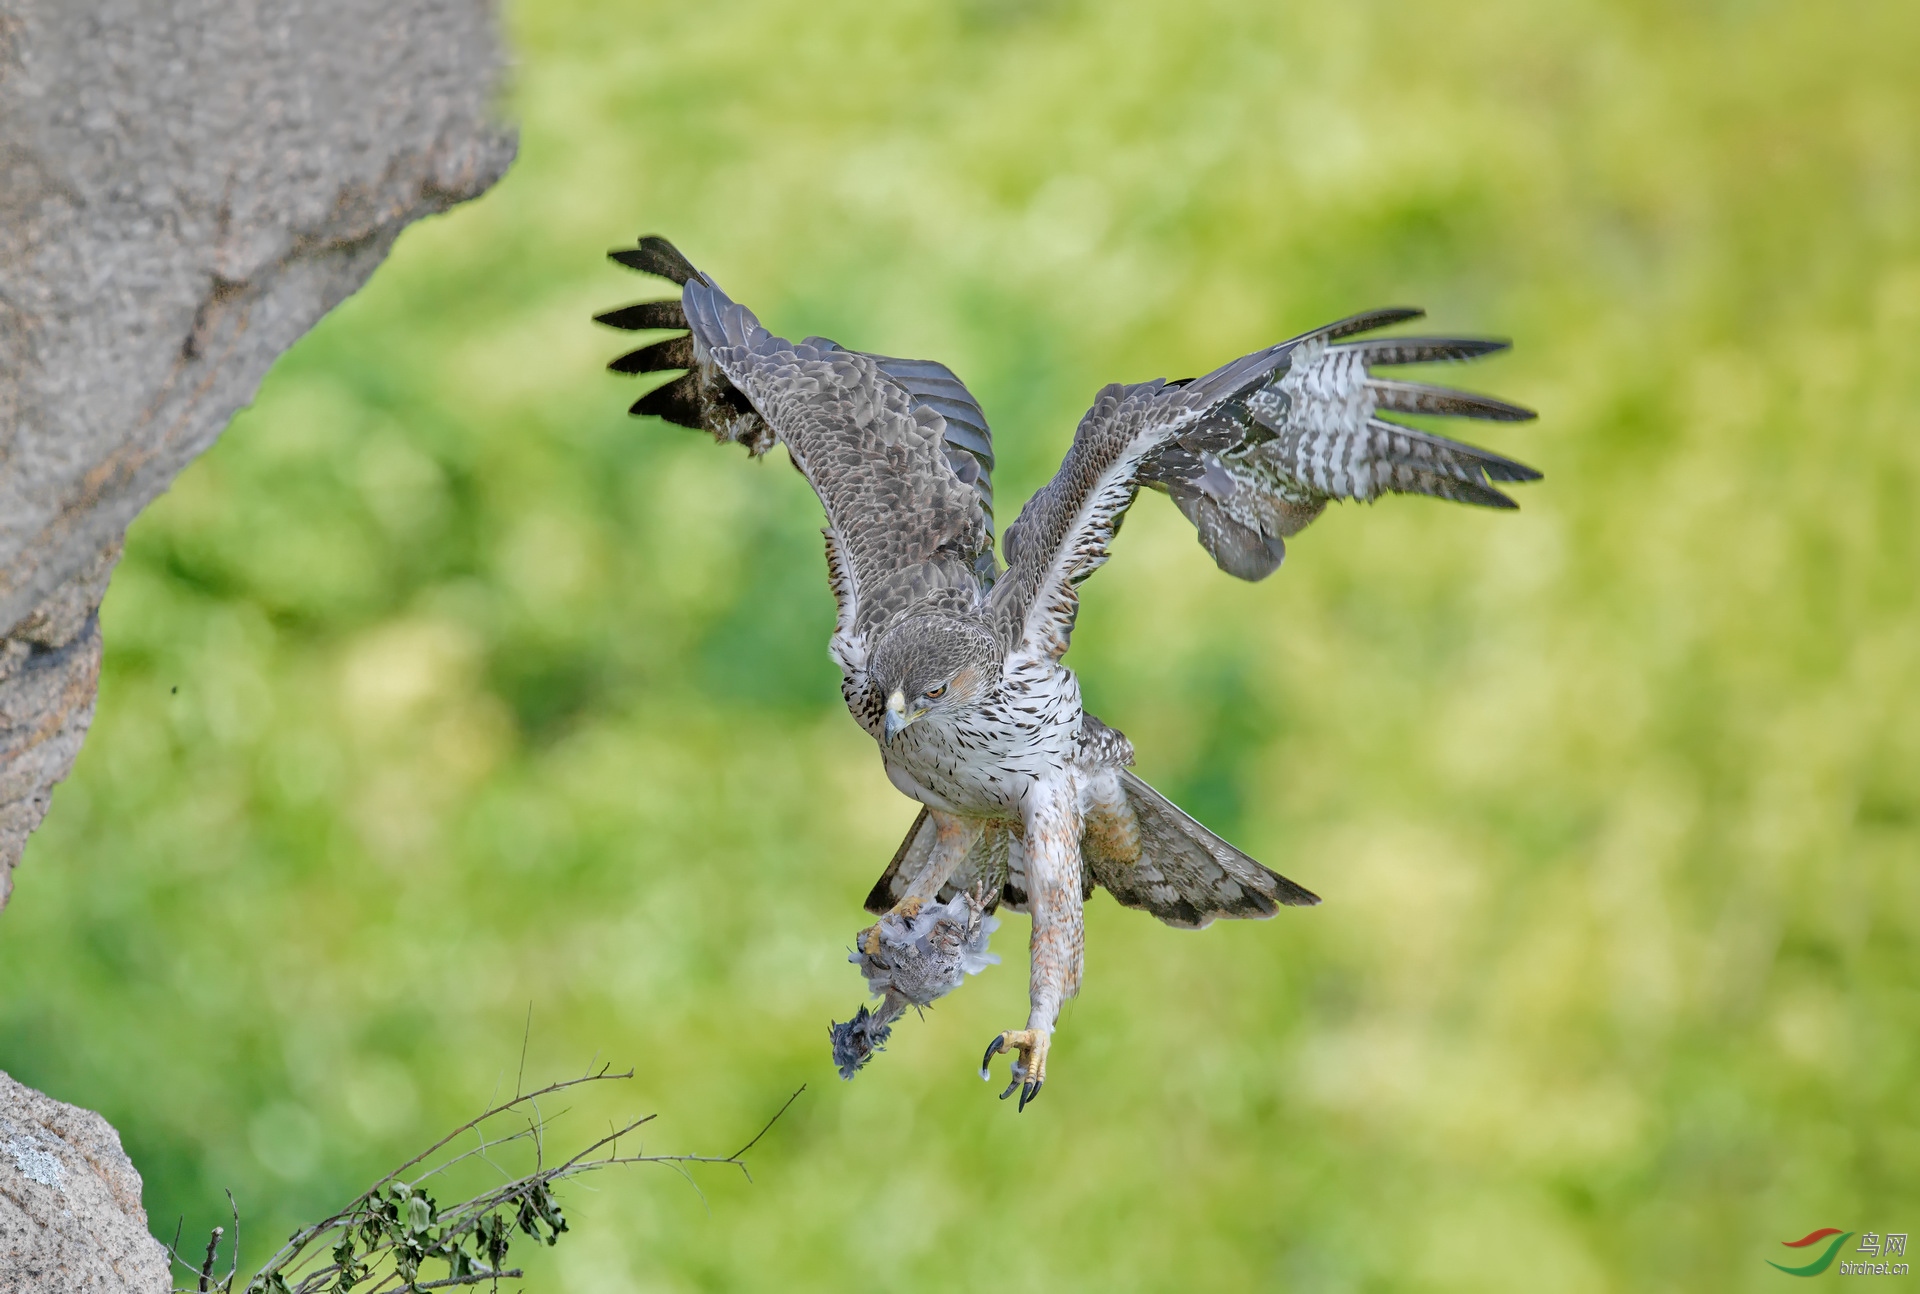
<point x="954" y="666"/>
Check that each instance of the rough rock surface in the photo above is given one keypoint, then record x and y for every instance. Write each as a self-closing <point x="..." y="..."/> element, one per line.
<point x="185" y="187"/>
<point x="70" y="1214"/>
<point x="49" y="664"/>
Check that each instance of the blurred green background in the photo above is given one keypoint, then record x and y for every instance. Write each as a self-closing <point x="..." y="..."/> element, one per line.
<point x="441" y="689"/>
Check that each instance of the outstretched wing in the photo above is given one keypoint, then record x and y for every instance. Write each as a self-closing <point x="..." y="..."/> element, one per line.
<point x="897" y="450"/>
<point x="701" y="397"/>
<point x="1263" y="463"/>
<point x="1251" y="453"/>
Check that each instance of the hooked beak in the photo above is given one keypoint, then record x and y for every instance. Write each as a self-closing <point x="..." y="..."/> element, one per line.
<point x="896" y="719"/>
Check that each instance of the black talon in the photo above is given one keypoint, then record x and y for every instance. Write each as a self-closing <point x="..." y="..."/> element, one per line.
<point x="994" y="1048"/>
<point x="1010" y="1089"/>
<point x="1028" y="1092"/>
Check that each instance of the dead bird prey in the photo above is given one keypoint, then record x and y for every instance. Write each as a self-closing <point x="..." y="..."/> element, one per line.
<point x="953" y="665"/>
<point x="910" y="956"/>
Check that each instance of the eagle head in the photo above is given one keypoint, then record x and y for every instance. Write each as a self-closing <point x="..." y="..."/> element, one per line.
<point x="931" y="664"/>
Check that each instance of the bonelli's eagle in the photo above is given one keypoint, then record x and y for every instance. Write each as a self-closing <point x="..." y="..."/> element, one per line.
<point x="953" y="664"/>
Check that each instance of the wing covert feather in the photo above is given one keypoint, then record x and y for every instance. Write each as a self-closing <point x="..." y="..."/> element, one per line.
<point x="906" y="529"/>
<point x="1251" y="454"/>
<point x="1064" y="532"/>
<point x="1266" y="461"/>
<point x="897" y="450"/>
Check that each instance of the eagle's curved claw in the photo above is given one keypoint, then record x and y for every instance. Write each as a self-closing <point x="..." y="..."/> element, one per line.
<point x="1029" y="1066"/>
<point x="994" y="1048"/>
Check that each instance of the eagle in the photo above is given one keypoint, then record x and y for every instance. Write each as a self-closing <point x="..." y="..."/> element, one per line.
<point x="953" y="662"/>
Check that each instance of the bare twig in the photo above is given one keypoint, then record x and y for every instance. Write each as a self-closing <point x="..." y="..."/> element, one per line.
<point x="233" y="1265"/>
<point x="213" y="1251"/>
<point x="477" y="1120"/>
<point x="739" y="1156"/>
<point x="511" y="1273"/>
<point x="377" y="1243"/>
<point x="526" y="1035"/>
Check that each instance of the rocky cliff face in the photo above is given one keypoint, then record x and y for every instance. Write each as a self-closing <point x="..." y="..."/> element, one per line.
<point x="185" y="187"/>
<point x="70" y="1214"/>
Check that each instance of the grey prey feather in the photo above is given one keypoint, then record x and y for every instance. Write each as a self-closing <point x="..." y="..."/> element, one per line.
<point x="912" y="961"/>
<point x="922" y="958"/>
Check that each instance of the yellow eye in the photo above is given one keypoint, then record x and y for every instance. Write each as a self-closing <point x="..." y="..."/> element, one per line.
<point x="935" y="693"/>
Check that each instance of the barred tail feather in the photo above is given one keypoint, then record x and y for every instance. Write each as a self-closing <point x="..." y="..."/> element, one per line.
<point x="1184" y="874"/>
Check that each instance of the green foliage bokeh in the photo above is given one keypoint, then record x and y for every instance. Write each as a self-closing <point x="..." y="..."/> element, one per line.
<point x="440" y="690"/>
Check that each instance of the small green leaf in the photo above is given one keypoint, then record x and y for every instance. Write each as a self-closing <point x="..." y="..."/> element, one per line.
<point x="494" y="1234"/>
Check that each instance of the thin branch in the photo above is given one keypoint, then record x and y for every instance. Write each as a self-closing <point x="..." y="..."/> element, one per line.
<point x="539" y="1138"/>
<point x="213" y="1251"/>
<point x="562" y="1085"/>
<point x="300" y="1239"/>
<point x="233" y="1267"/>
<point x="687" y="1176"/>
<point x="381" y="1212"/>
<point x="740" y="1154"/>
<point x="525" y="1035"/>
<point x="481" y="1151"/>
<point x="510" y="1273"/>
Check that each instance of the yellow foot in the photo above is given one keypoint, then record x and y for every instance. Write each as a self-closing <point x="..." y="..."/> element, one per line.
<point x="1029" y="1067"/>
<point x="906" y="909"/>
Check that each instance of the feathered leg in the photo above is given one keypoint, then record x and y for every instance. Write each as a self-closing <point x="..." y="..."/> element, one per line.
<point x="953" y="838"/>
<point x="936" y="845"/>
<point x="1052" y="814"/>
<point x="934" y="848"/>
